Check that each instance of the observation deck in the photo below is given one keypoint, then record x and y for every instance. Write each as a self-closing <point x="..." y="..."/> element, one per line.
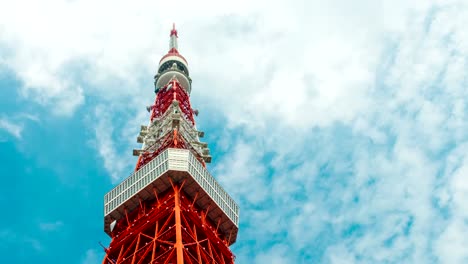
<point x="174" y="165"/>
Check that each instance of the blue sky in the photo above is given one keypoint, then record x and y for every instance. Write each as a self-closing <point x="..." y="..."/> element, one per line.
<point x="340" y="128"/>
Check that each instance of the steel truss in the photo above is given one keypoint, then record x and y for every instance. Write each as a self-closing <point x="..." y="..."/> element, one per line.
<point x="170" y="140"/>
<point x="173" y="91"/>
<point x="169" y="229"/>
<point x="170" y="93"/>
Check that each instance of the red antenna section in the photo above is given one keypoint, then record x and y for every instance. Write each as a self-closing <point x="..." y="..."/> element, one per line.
<point x="173" y="41"/>
<point x="172" y="93"/>
<point x="174" y="30"/>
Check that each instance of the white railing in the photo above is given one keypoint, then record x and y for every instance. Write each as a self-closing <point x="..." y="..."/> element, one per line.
<point x="136" y="182"/>
<point x="214" y="189"/>
<point x="175" y="160"/>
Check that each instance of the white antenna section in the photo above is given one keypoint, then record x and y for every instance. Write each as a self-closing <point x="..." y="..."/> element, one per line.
<point x="173" y="41"/>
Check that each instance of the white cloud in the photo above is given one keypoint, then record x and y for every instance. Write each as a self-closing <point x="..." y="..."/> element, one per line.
<point x="50" y="226"/>
<point x="384" y="187"/>
<point x="242" y="172"/>
<point x="116" y="160"/>
<point x="14" y="239"/>
<point x="339" y="255"/>
<point x="278" y="254"/>
<point x="15" y="124"/>
<point x="46" y="49"/>
<point x="452" y="242"/>
<point x="10" y="127"/>
<point x="91" y="257"/>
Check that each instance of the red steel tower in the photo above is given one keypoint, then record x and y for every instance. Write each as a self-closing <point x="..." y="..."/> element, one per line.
<point x="170" y="210"/>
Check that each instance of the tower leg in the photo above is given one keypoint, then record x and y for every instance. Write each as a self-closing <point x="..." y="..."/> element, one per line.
<point x="178" y="245"/>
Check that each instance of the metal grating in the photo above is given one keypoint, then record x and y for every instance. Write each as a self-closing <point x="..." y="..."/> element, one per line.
<point x="214" y="190"/>
<point x="136" y="182"/>
<point x="171" y="160"/>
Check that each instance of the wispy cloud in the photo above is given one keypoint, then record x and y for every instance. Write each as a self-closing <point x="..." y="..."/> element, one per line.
<point x="50" y="226"/>
<point x="10" y="127"/>
<point x="13" y="239"/>
<point x="91" y="257"/>
<point x="116" y="154"/>
<point x="114" y="162"/>
<point x="15" y="124"/>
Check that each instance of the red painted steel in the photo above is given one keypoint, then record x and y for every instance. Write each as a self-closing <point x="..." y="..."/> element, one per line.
<point x="173" y="52"/>
<point x="173" y="31"/>
<point x="168" y="229"/>
<point x="173" y="91"/>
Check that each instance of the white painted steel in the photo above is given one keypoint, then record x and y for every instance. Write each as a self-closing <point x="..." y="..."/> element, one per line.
<point x="153" y="134"/>
<point x="169" y="160"/>
<point x="167" y="76"/>
<point x="175" y="58"/>
<point x="135" y="183"/>
<point x="214" y="189"/>
<point x="173" y="42"/>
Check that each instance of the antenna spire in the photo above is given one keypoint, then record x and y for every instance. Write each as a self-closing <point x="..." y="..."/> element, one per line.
<point x="173" y="40"/>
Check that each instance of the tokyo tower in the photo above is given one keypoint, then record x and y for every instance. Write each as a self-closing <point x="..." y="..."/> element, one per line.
<point x="171" y="209"/>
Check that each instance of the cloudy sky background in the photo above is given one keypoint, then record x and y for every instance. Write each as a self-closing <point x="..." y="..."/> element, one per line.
<point x="340" y="127"/>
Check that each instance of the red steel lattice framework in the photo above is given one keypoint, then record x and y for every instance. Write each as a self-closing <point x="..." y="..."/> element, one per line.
<point x="169" y="229"/>
<point x="173" y="224"/>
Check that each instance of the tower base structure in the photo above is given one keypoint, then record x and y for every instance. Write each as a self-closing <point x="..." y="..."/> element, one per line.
<point x="180" y="216"/>
<point x="169" y="229"/>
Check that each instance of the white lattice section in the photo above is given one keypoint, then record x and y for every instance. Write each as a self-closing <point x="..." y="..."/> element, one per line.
<point x="136" y="182"/>
<point x="180" y="160"/>
<point x="214" y="189"/>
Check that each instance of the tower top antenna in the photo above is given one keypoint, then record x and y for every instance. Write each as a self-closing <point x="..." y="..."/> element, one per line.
<point x="173" y="40"/>
<point x="174" y="30"/>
